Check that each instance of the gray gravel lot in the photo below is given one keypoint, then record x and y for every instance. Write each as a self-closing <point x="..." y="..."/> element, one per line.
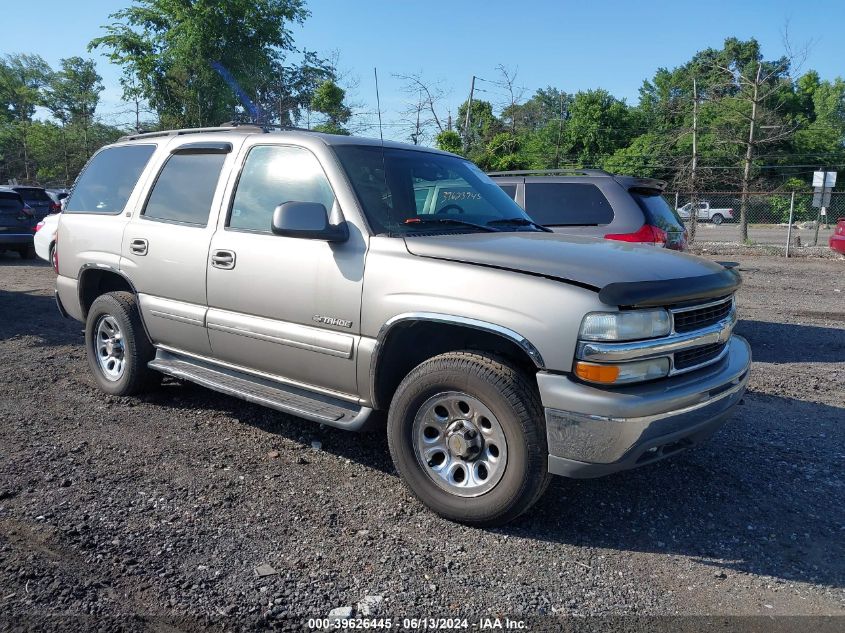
<point x="774" y="235"/>
<point x="153" y="513"/>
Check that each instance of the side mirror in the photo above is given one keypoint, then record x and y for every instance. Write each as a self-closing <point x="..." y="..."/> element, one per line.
<point x="307" y="220"/>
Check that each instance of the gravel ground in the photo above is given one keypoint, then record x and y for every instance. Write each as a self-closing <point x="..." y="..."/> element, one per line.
<point x="153" y="513"/>
<point x="768" y="234"/>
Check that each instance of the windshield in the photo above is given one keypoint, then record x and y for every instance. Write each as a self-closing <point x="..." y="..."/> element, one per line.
<point x="410" y="191"/>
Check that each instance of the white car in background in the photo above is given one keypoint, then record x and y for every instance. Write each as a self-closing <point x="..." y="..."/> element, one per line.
<point x="45" y="236"/>
<point x="706" y="213"/>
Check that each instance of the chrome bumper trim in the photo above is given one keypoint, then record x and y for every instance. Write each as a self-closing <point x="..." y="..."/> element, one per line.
<point x="592" y="431"/>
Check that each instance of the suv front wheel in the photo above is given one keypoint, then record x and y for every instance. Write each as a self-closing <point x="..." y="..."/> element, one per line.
<point x="466" y="435"/>
<point x="117" y="346"/>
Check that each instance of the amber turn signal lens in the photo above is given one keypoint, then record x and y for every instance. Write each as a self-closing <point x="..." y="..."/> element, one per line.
<point x="596" y="373"/>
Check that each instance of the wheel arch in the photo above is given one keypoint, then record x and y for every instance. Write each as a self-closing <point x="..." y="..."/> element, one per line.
<point x="95" y="280"/>
<point x="398" y="347"/>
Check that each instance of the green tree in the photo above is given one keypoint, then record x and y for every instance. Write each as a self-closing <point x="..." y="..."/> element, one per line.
<point x="328" y="99"/>
<point x="483" y="126"/>
<point x="449" y="141"/>
<point x="598" y="125"/>
<point x="72" y="96"/>
<point x="503" y="153"/>
<point x="640" y="158"/>
<point x="821" y="137"/>
<point x="168" y="46"/>
<point x="22" y="78"/>
<point x="287" y="94"/>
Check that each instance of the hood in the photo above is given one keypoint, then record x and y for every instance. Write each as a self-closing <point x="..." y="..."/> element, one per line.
<point x="626" y="274"/>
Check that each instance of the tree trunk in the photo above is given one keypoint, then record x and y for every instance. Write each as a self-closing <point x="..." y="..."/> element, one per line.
<point x="25" y="153"/>
<point x="749" y="156"/>
<point x="65" y="154"/>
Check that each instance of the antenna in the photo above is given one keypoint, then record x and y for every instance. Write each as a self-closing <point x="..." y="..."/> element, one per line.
<point x="383" y="161"/>
<point x="378" y="105"/>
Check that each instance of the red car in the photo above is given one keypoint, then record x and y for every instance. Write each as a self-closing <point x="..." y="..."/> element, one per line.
<point x="837" y="240"/>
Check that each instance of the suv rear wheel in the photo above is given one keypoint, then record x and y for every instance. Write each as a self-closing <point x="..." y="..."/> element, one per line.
<point x="466" y="435"/>
<point x="117" y="346"/>
<point x="27" y="252"/>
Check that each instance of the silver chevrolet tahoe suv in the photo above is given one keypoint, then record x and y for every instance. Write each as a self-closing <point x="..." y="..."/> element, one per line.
<point x="346" y="281"/>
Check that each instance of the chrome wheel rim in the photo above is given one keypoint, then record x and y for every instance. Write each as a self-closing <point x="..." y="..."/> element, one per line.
<point x="109" y="348"/>
<point x="460" y="444"/>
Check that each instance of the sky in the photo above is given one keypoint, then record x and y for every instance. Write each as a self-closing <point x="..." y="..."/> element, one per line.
<point x="569" y="45"/>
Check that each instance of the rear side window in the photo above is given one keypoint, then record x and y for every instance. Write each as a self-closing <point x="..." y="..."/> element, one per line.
<point x="10" y="203"/>
<point x="567" y="204"/>
<point x="34" y="195"/>
<point x="185" y="188"/>
<point x="107" y="181"/>
<point x="657" y="210"/>
<point x="510" y="190"/>
<point x="273" y="175"/>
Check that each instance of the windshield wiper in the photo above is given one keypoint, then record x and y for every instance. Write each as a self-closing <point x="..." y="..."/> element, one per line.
<point x="520" y="222"/>
<point x="455" y="221"/>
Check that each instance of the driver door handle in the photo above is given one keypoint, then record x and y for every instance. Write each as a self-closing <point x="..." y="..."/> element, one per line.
<point x="223" y="259"/>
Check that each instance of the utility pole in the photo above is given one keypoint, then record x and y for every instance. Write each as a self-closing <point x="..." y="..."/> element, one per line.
<point x="416" y="135"/>
<point x="693" y="173"/>
<point x="559" y="132"/>
<point x="469" y="113"/>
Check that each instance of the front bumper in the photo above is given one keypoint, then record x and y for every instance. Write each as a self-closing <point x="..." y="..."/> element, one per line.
<point x="593" y="432"/>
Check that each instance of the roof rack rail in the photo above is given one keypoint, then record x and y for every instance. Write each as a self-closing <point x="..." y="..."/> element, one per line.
<point x="266" y="127"/>
<point x="557" y="172"/>
<point x="229" y="126"/>
<point x="190" y="130"/>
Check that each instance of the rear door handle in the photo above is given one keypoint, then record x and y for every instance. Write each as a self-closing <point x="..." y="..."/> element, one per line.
<point x="139" y="246"/>
<point x="223" y="259"/>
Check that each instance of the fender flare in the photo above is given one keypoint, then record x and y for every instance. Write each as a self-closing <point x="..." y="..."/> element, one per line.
<point x="433" y="317"/>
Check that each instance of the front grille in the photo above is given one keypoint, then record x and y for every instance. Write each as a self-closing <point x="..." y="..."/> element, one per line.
<point x="697" y="355"/>
<point x="688" y="320"/>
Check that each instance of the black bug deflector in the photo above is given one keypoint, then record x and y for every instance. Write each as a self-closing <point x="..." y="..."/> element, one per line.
<point x="661" y="292"/>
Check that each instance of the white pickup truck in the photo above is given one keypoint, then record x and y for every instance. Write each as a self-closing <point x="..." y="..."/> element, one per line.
<point x="706" y="213"/>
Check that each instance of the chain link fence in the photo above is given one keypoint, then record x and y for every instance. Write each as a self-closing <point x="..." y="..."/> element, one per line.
<point x="767" y="213"/>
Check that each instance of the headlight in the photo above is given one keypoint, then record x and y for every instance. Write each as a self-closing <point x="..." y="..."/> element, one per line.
<point x="625" y="326"/>
<point x="623" y="373"/>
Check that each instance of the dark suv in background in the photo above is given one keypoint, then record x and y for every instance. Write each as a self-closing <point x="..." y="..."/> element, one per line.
<point x="17" y="224"/>
<point x="37" y="199"/>
<point x="595" y="203"/>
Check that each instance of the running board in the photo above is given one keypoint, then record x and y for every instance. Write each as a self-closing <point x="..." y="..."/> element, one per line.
<point x="296" y="401"/>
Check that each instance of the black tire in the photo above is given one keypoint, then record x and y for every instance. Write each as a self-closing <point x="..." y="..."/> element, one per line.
<point x="512" y="398"/>
<point x="717" y="219"/>
<point x="27" y="252"/>
<point x="137" y="349"/>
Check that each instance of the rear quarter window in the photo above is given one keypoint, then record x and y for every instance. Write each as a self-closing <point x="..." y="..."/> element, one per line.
<point x="657" y="210"/>
<point x="10" y="203"/>
<point x="34" y="195"/>
<point x="567" y="204"/>
<point x="106" y="183"/>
